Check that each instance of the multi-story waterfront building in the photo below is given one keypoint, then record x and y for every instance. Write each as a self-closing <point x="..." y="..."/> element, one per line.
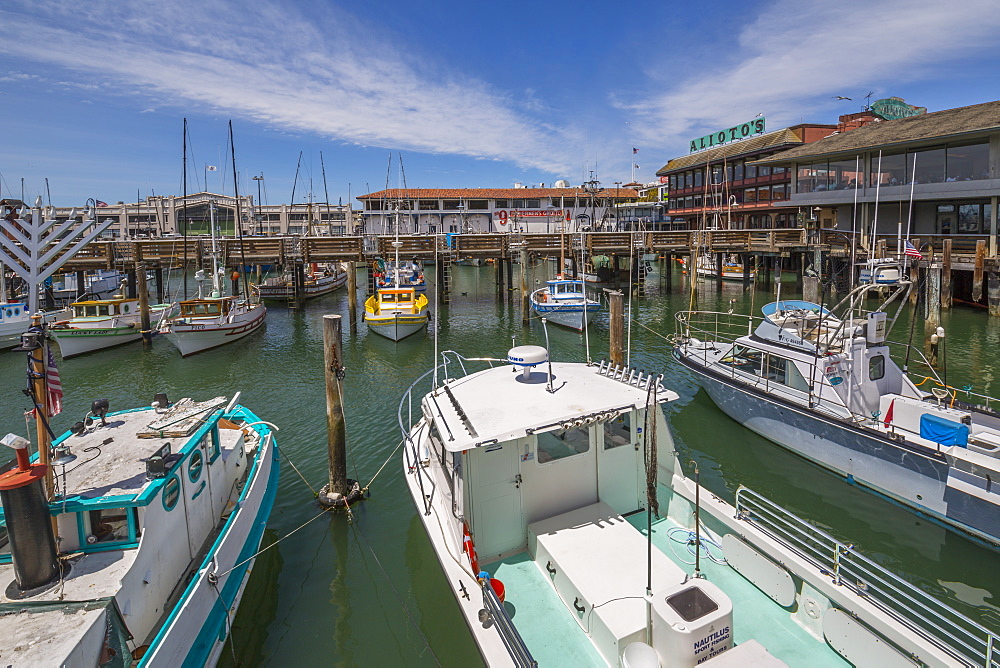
<point x="725" y="187"/>
<point x="933" y="175"/>
<point x="159" y="216"/>
<point x="485" y="210"/>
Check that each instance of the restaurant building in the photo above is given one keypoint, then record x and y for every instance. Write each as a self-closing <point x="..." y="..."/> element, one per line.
<point x="931" y="175"/>
<point x="725" y="187"/>
<point x="485" y="210"/>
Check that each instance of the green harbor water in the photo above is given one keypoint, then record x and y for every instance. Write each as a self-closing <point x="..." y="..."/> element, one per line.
<point x="369" y="591"/>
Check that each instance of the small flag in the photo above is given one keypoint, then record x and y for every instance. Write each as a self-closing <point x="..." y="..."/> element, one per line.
<point x="100" y="203"/>
<point x="54" y="385"/>
<point x="910" y="251"/>
<point x="634" y="150"/>
<point x="635" y="165"/>
<point x="888" y="414"/>
<point x="211" y="168"/>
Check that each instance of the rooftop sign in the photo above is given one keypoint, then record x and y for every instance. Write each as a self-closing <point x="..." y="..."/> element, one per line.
<point x="735" y="133"/>
<point x="893" y="108"/>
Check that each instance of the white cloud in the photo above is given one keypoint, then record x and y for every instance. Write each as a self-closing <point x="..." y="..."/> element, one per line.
<point x="796" y="56"/>
<point x="325" y="74"/>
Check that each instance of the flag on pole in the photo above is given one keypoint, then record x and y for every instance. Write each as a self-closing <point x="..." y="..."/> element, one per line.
<point x="888" y="415"/>
<point x="635" y="165"/>
<point x="634" y="150"/>
<point x="100" y="203"/>
<point x="53" y="385"/>
<point x="211" y="168"/>
<point x="910" y="251"/>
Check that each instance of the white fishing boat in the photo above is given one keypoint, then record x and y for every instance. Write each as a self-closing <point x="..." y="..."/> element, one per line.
<point x="396" y="313"/>
<point x="823" y="383"/>
<point x="406" y="275"/>
<point x="318" y="280"/>
<point x="565" y="302"/>
<point x="131" y="539"/>
<point x="732" y="268"/>
<point x="537" y="483"/>
<point x="215" y="320"/>
<point x="102" y="323"/>
<point x="98" y="284"/>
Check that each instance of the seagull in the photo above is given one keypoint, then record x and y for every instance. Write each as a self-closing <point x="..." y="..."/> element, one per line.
<point x="840" y="97"/>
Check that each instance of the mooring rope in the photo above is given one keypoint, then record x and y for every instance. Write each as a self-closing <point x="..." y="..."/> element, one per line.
<point x="296" y="469"/>
<point x="261" y="551"/>
<point x="388" y="459"/>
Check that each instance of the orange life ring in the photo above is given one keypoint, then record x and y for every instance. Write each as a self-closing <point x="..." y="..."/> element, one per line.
<point x="470" y="549"/>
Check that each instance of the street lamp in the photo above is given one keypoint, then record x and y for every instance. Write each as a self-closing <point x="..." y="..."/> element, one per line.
<point x="259" y="217"/>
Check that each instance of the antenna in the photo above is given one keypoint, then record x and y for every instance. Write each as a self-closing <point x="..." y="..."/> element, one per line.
<point x="868" y="100"/>
<point x="548" y="354"/>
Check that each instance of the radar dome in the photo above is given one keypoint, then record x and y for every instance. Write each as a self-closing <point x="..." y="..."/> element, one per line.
<point x="561" y="183"/>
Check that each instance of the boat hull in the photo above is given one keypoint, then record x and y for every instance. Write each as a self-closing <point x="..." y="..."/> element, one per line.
<point x="396" y="327"/>
<point x="15" y="322"/>
<point x="192" y="338"/>
<point x="198" y="627"/>
<point x="574" y="316"/>
<point x="74" y="342"/>
<point x="910" y="475"/>
<point x="314" y="288"/>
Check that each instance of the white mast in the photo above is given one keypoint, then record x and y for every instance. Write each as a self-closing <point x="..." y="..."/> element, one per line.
<point x="216" y="288"/>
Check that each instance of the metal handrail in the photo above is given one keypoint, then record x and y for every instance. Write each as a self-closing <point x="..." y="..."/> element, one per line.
<point x="512" y="640"/>
<point x="934" y="620"/>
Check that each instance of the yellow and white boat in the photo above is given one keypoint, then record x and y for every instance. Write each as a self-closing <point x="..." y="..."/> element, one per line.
<point x="396" y="313"/>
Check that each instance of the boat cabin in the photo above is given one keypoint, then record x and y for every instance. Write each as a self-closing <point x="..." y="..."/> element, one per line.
<point x="13" y="311"/>
<point x="396" y="299"/>
<point x="102" y="308"/>
<point x="206" y="308"/>
<point x="562" y="289"/>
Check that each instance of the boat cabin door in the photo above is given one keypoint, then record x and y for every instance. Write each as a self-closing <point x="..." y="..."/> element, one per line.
<point x="495" y="494"/>
<point x="620" y="461"/>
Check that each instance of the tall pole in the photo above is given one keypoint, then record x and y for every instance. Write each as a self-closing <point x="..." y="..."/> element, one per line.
<point x="38" y="356"/>
<point x="143" y="294"/>
<point x="525" y="311"/>
<point x="352" y="295"/>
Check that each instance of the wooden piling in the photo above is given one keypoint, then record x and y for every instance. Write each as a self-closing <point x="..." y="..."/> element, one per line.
<point x="299" y="284"/>
<point x="946" y="275"/>
<point x="158" y="277"/>
<point x="81" y="283"/>
<point x="617" y="327"/>
<point x="525" y="310"/>
<point x="993" y="293"/>
<point x="509" y="261"/>
<point x="668" y="271"/>
<point x="977" y="271"/>
<point x="143" y="293"/>
<point x="720" y="263"/>
<point x="352" y="296"/>
<point x="932" y="303"/>
<point x="335" y="425"/>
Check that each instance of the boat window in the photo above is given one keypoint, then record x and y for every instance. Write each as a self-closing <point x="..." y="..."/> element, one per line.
<point x="876" y="367"/>
<point x="775" y="369"/>
<point x="793" y="377"/>
<point x="195" y="464"/>
<point x="618" y="431"/>
<point x="79" y="311"/>
<point x="107" y="525"/>
<point x="171" y="492"/>
<point x="553" y="445"/>
<point x="388" y="297"/>
<point x="103" y="309"/>
<point x="745" y="359"/>
<point x="92" y="310"/>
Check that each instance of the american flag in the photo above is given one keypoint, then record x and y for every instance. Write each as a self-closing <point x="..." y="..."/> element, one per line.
<point x="910" y="251"/>
<point x="634" y="150"/>
<point x="100" y="203"/>
<point x="54" y="385"/>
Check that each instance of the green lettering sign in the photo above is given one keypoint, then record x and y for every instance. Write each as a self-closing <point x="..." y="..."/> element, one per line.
<point x="735" y="133"/>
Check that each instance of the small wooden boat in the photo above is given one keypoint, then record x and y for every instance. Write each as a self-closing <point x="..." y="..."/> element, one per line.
<point x="318" y="281"/>
<point x="103" y="323"/>
<point x="396" y="313"/>
<point x="565" y="303"/>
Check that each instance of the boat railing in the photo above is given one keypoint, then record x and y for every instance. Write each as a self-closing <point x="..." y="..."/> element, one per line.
<point x="932" y="379"/>
<point x="719" y="325"/>
<point x="518" y="651"/>
<point x="967" y="640"/>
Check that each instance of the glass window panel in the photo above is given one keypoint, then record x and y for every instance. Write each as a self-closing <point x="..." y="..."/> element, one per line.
<point x="778" y="170"/>
<point x="764" y="170"/>
<point x="618" y="432"/>
<point x="893" y="170"/>
<point x="729" y="172"/>
<point x="764" y="194"/>
<point x="738" y="171"/>
<point x="108" y="525"/>
<point x="969" y="219"/>
<point x="987" y="219"/>
<point x="530" y="204"/>
<point x="876" y="367"/>
<point x="750" y="195"/>
<point x="717" y="174"/>
<point x="844" y="175"/>
<point x="502" y="204"/>
<point x="751" y="171"/>
<point x="929" y="165"/>
<point x="968" y="163"/>
<point x="688" y="179"/>
<point x="555" y="445"/>
<point x="698" y="179"/>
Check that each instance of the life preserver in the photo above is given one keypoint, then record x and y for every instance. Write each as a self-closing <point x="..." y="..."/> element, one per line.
<point x="235" y="276"/>
<point x="469" y="548"/>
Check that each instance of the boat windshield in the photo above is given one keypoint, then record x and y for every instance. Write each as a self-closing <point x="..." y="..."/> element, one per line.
<point x="201" y="309"/>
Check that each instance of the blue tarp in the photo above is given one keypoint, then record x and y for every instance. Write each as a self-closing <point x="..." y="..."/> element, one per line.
<point x="942" y="431"/>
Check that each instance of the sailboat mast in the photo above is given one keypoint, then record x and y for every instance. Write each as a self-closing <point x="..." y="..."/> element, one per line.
<point x="183" y="221"/>
<point x="238" y="222"/>
<point x="216" y="288"/>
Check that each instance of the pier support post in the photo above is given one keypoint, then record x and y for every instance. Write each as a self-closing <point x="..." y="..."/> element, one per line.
<point x="130" y="290"/>
<point x="993" y="293"/>
<point x="339" y="490"/>
<point x="352" y="295"/>
<point x="158" y="276"/>
<point x="617" y="327"/>
<point x="720" y="263"/>
<point x="932" y="302"/>
<point x="81" y="283"/>
<point x="299" y="284"/>
<point x="745" y="263"/>
<point x="977" y="271"/>
<point x="140" y="279"/>
<point x="498" y="265"/>
<point x="525" y="310"/>
<point x="799" y="269"/>
<point x="509" y="261"/>
<point x="668" y="271"/>
<point x="946" y="275"/>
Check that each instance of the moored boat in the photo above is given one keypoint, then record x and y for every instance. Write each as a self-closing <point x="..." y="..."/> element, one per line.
<point x="824" y="383"/>
<point x="565" y="302"/>
<point x="537" y="484"/>
<point x="317" y="280"/>
<point x="102" y="323"/>
<point x="132" y="537"/>
<point x="15" y="319"/>
<point x="396" y="313"/>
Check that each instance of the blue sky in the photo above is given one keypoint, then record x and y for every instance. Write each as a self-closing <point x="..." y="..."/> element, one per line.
<point x="92" y="95"/>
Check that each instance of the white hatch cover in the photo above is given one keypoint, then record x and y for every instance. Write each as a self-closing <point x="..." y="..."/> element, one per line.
<point x="766" y="575"/>
<point x="858" y="644"/>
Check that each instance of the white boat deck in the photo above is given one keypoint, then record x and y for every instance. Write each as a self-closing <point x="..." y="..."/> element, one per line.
<point x="476" y="417"/>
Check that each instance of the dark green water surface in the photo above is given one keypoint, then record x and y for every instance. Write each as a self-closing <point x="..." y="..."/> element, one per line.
<point x="370" y="591"/>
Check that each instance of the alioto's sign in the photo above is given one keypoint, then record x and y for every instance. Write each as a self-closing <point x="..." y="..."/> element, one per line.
<point x="735" y="133"/>
<point x="502" y="215"/>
